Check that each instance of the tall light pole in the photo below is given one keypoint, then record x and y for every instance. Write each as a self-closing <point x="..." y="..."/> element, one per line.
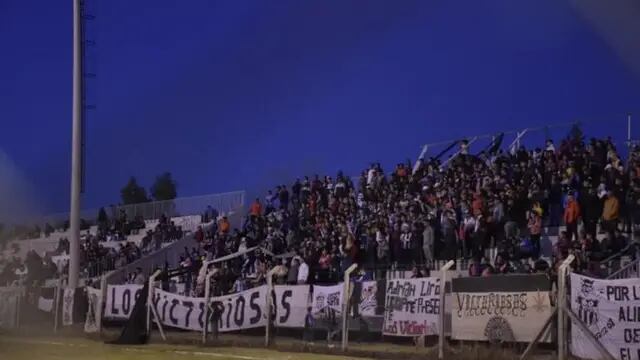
<point x="76" y="148"/>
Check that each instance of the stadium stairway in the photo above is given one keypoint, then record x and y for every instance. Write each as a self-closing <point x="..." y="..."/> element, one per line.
<point x="169" y="254"/>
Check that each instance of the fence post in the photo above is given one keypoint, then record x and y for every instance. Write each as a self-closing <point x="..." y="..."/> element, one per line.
<point x="267" y="333"/>
<point x="152" y="280"/>
<point x="425" y="148"/>
<point x="443" y="282"/>
<point x="18" y="308"/>
<point x="56" y="302"/>
<point x="103" y="300"/>
<point x="562" y="301"/>
<point x="345" y="305"/>
<point x="207" y="296"/>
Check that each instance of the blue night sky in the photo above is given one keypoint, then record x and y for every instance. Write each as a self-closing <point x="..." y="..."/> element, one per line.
<point x="231" y="95"/>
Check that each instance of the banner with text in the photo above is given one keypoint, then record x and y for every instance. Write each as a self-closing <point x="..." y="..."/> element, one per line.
<point x="509" y="308"/>
<point x="120" y="300"/>
<point x="412" y="307"/>
<point x="290" y="305"/>
<point x="327" y="297"/>
<point x="610" y="309"/>
<point x="368" y="301"/>
<point x="243" y="310"/>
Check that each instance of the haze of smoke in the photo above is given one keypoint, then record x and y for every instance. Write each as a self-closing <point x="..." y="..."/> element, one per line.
<point x="18" y="201"/>
<point x="616" y="22"/>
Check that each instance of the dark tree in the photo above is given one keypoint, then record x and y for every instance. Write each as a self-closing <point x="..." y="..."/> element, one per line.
<point x="575" y="134"/>
<point x="103" y="219"/>
<point x="164" y="188"/>
<point x="102" y="216"/>
<point x="132" y="193"/>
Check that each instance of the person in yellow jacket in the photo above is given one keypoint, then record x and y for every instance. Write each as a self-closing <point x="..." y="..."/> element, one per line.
<point x="610" y="213"/>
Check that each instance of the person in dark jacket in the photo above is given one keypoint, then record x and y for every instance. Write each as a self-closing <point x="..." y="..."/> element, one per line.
<point x="591" y="208"/>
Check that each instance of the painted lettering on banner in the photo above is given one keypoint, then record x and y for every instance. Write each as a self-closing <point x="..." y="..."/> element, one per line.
<point x="179" y="311"/>
<point x="610" y="309"/>
<point x="290" y="305"/>
<point x="327" y="298"/>
<point x="499" y="316"/>
<point x="120" y="300"/>
<point x="243" y="310"/>
<point x="412" y="307"/>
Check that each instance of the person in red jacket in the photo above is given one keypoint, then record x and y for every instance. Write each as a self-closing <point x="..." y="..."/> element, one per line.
<point x="571" y="217"/>
<point x="256" y="208"/>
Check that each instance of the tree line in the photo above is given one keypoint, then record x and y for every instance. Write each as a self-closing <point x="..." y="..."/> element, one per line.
<point x="164" y="188"/>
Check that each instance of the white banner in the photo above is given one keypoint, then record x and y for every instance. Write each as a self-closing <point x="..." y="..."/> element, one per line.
<point x="45" y="304"/>
<point x="67" y="306"/>
<point x="499" y="316"/>
<point x="243" y="310"/>
<point x="94" y="310"/>
<point x="327" y="297"/>
<point x="179" y="311"/>
<point x="290" y="303"/>
<point x="368" y="298"/>
<point x="611" y="311"/>
<point x="412" y="307"/>
<point x="120" y="300"/>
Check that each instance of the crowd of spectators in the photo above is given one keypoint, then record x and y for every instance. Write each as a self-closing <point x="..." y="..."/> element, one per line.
<point x="492" y="208"/>
<point x="495" y="201"/>
<point x="100" y="258"/>
<point x="106" y="250"/>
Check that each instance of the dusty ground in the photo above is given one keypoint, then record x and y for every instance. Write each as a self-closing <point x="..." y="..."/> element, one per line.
<point x="56" y="348"/>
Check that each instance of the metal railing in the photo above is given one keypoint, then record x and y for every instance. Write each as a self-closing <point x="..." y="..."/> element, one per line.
<point x="223" y="203"/>
<point x="195" y="205"/>
<point x="518" y="138"/>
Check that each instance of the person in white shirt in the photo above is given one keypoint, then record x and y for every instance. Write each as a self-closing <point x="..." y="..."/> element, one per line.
<point x="303" y="272"/>
<point x="139" y="279"/>
<point x="549" y="146"/>
<point x="371" y="176"/>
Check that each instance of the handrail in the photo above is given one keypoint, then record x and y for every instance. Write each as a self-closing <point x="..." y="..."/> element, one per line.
<point x="634" y="265"/>
<point x="620" y="253"/>
<point x="511" y="132"/>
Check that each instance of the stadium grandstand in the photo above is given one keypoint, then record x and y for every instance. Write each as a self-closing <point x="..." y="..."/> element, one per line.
<point x="124" y="237"/>
<point x="498" y="211"/>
